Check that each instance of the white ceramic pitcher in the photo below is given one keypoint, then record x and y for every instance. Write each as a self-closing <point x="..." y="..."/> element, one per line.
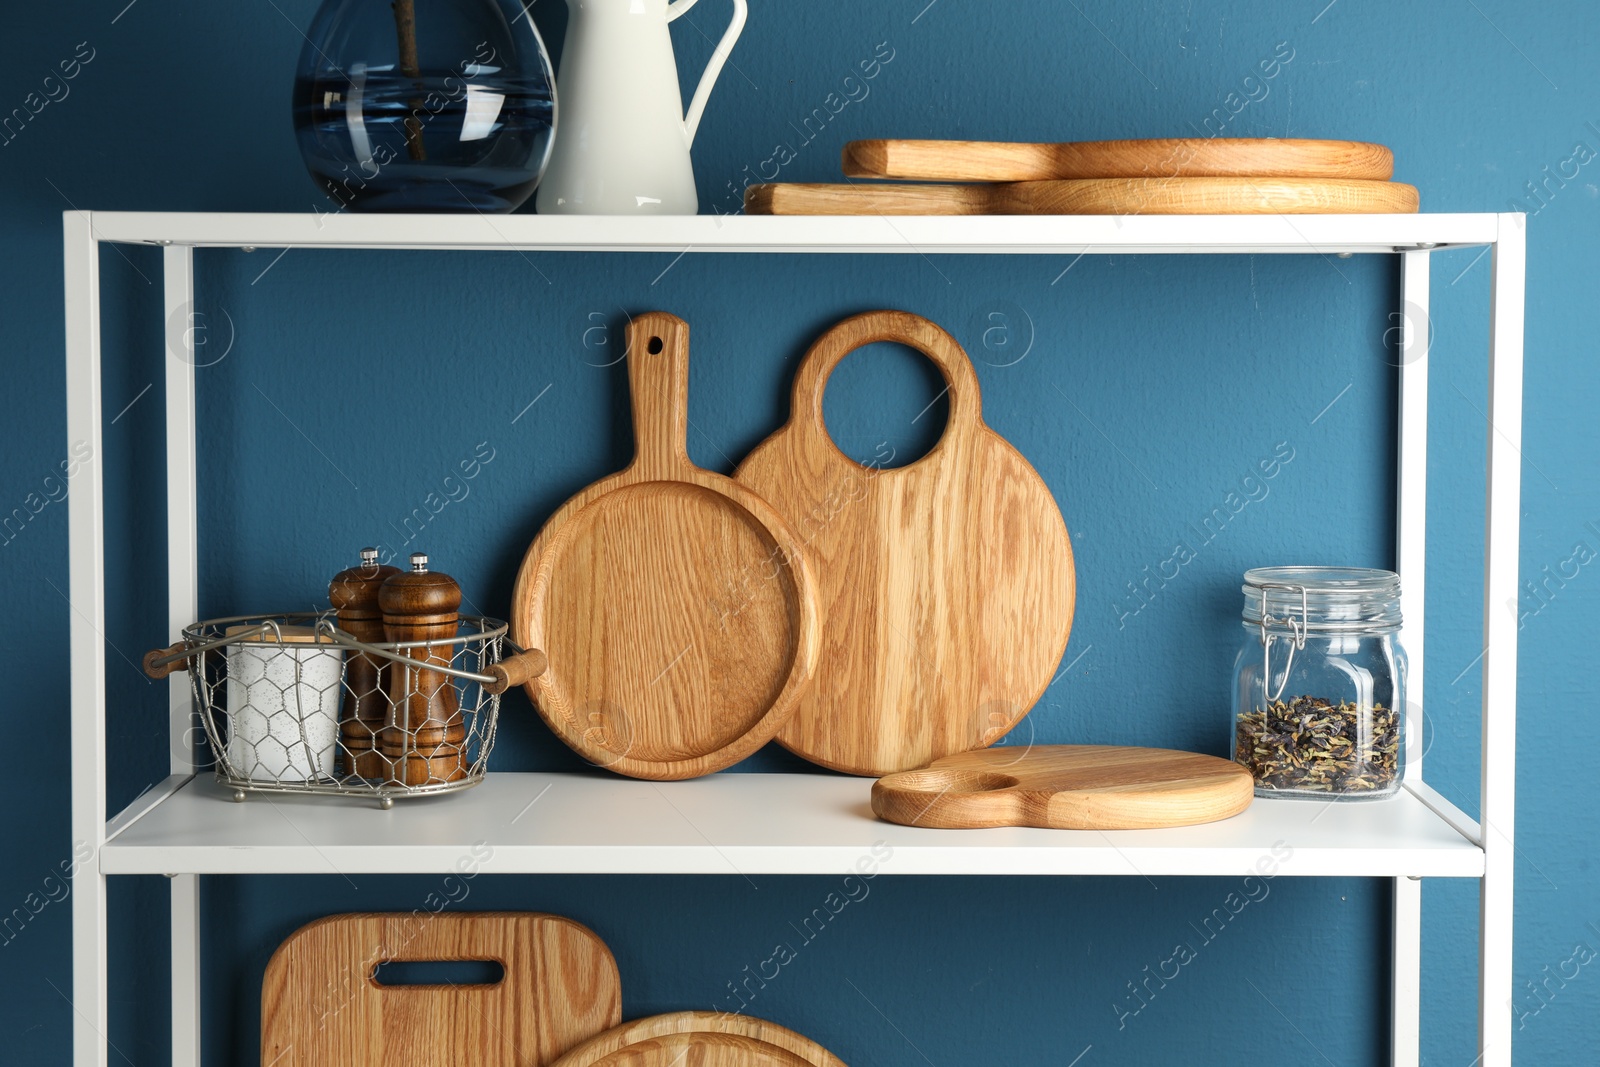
<point x="622" y="144"/>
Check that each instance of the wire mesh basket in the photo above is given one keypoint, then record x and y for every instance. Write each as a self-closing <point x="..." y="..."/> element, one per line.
<point x="292" y="704"/>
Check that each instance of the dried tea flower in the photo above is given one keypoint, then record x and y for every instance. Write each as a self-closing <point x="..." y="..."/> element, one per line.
<point x="1311" y="745"/>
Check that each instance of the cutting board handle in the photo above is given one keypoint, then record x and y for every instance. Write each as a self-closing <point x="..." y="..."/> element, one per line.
<point x="914" y="331"/>
<point x="437" y="939"/>
<point x="658" y="379"/>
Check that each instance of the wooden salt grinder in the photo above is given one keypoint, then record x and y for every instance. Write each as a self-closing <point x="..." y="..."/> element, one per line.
<point x="425" y="736"/>
<point x="354" y="593"/>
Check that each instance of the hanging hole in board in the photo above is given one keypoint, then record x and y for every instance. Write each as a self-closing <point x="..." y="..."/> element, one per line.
<point x="439" y="973"/>
<point x="655" y="346"/>
<point x="886" y="405"/>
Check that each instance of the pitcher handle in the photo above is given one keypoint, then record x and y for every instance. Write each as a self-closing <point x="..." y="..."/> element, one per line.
<point x="702" y="92"/>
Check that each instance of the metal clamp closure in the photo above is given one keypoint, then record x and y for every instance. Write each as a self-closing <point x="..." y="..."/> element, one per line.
<point x="1296" y="626"/>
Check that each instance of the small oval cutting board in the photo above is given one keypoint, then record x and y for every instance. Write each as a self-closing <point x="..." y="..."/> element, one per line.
<point x="1066" y="787"/>
<point x="945" y="587"/>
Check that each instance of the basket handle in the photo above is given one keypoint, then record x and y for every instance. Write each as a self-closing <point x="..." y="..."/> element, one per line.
<point x="160" y="662"/>
<point x="515" y="670"/>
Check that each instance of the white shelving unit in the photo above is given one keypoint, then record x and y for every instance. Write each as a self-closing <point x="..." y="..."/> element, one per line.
<point x="186" y="826"/>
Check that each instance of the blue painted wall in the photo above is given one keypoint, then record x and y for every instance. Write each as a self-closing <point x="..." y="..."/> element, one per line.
<point x="1144" y="391"/>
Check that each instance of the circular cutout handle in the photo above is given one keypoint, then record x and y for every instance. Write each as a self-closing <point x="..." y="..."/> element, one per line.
<point x="902" y="327"/>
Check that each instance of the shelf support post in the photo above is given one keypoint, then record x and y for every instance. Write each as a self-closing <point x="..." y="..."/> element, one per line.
<point x="1501" y="554"/>
<point x="87" y="622"/>
<point x="183" y="608"/>
<point x="1411" y="510"/>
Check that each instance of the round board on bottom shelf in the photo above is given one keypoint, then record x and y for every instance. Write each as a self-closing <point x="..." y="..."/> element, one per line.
<point x="701" y="1039"/>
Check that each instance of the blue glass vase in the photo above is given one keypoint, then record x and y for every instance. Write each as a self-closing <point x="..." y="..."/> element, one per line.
<point x="425" y="105"/>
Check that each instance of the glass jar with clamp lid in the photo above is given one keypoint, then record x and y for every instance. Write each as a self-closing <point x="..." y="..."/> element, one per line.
<point x="1319" y="683"/>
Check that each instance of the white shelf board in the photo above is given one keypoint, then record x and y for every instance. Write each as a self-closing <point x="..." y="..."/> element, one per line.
<point x="1042" y="234"/>
<point x="740" y="824"/>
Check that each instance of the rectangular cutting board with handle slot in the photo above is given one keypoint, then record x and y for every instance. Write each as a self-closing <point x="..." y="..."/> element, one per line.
<point x="322" y="1007"/>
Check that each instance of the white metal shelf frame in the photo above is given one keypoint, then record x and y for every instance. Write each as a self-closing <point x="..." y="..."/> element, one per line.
<point x="183" y="828"/>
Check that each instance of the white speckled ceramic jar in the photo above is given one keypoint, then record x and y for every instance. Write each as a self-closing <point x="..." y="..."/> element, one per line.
<point x="283" y="707"/>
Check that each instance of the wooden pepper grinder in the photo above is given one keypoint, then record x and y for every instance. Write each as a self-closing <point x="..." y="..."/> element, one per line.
<point x="425" y="736"/>
<point x="365" y="712"/>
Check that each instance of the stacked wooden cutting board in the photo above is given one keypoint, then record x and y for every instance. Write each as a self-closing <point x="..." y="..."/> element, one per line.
<point x="1167" y="176"/>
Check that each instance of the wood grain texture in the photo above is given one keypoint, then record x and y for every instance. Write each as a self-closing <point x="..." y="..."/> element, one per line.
<point x="1166" y="157"/>
<point x="1067" y="787"/>
<point x="945" y="587"/>
<point x="1101" y="196"/>
<point x="165" y="669"/>
<point x="516" y="670"/>
<point x="423" y="741"/>
<point x="675" y="608"/>
<point x="700" y="1039"/>
<point x="321" y="1008"/>
<point x="353" y="592"/>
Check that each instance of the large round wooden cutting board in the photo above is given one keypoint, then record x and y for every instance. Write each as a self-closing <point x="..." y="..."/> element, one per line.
<point x="1099" y="196"/>
<point x="945" y="587"/>
<point x="322" y="1007"/>
<point x="1067" y="787"/>
<point x="674" y="606"/>
<point x="699" y="1039"/>
<point x="1164" y="157"/>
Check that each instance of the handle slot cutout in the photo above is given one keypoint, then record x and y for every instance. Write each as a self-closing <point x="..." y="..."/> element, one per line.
<point x="397" y="974"/>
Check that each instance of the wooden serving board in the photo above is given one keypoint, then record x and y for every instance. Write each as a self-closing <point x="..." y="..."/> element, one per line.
<point x="1166" y="157"/>
<point x="699" y="1039"/>
<point x="1066" y="787"/>
<point x="673" y="605"/>
<point x="320" y="1006"/>
<point x="1099" y="196"/>
<point x="945" y="587"/>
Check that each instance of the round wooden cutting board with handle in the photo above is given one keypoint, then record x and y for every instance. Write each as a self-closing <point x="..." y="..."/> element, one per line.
<point x="699" y="1039"/>
<point x="1098" y="196"/>
<point x="673" y="605"/>
<point x="322" y="1006"/>
<point x="1163" y="157"/>
<point x="1066" y="787"/>
<point x="945" y="587"/>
